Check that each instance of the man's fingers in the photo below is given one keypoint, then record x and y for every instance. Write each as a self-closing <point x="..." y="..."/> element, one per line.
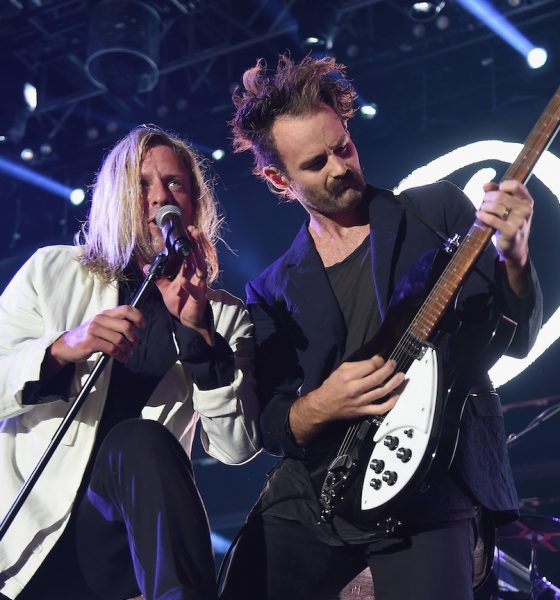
<point x="129" y="313"/>
<point x="379" y="392"/>
<point x="200" y="266"/>
<point x="120" y="351"/>
<point x="371" y="374"/>
<point x="113" y="329"/>
<point x="380" y="408"/>
<point x="368" y="367"/>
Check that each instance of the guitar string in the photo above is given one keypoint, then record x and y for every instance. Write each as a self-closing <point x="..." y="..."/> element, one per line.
<point x="350" y="438"/>
<point x="400" y="353"/>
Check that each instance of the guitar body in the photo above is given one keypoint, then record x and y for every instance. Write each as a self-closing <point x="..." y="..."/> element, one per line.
<point x="409" y="449"/>
<point x="406" y="441"/>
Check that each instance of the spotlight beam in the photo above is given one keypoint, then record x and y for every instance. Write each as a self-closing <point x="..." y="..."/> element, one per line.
<point x="495" y="21"/>
<point x="36" y="179"/>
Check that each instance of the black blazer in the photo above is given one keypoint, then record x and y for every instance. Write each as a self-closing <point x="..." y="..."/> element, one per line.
<point x="300" y="331"/>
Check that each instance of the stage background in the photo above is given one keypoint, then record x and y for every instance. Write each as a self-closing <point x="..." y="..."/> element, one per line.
<point x="438" y="85"/>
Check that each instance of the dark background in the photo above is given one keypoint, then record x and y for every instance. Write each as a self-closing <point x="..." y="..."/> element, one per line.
<point x="437" y="88"/>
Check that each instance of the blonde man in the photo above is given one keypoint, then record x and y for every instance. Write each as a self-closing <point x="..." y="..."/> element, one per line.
<point x="116" y="512"/>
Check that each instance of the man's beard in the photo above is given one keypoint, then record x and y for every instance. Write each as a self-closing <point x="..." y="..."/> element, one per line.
<point x="148" y="246"/>
<point x="343" y="195"/>
<point x="351" y="180"/>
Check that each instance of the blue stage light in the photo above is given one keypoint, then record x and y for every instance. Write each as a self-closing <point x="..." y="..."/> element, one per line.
<point x="36" y="179"/>
<point x="369" y="110"/>
<point x="536" y="58"/>
<point x="30" y="96"/>
<point x="27" y="154"/>
<point x="495" y="21"/>
<point x="77" y="196"/>
<point x="218" y="154"/>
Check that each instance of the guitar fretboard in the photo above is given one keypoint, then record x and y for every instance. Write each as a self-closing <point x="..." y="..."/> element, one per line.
<point x="478" y="236"/>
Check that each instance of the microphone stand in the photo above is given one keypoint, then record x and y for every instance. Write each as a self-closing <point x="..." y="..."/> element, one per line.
<point x="155" y="272"/>
<point x="514" y="438"/>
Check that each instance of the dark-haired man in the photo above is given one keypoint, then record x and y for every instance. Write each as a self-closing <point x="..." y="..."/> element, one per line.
<point x="318" y="307"/>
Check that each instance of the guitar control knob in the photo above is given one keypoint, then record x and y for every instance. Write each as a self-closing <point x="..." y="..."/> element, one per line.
<point x="404" y="454"/>
<point x="375" y="483"/>
<point x="391" y="441"/>
<point x="389" y="477"/>
<point x="409" y="432"/>
<point x="377" y="465"/>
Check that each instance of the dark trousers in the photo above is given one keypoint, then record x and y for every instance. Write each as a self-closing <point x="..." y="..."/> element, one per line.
<point x="140" y="528"/>
<point x="276" y="559"/>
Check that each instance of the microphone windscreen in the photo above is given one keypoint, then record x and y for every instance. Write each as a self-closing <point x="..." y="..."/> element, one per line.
<point x="168" y="209"/>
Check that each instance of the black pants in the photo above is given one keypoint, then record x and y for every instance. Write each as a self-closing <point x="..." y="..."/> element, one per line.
<point x="140" y="528"/>
<point x="276" y="559"/>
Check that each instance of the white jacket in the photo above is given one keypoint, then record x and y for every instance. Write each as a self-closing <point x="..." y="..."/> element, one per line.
<point x="49" y="295"/>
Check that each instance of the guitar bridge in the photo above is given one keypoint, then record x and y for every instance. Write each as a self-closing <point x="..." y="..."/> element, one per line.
<point x="334" y="485"/>
<point x="341" y="470"/>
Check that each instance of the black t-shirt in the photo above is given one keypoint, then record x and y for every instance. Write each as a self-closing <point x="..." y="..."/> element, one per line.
<point x="132" y="383"/>
<point x="352" y="284"/>
<point x="290" y="494"/>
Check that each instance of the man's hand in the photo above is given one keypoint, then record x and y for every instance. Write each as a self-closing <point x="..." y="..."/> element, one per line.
<point x="112" y="331"/>
<point x="185" y="295"/>
<point x="356" y="389"/>
<point x="508" y="208"/>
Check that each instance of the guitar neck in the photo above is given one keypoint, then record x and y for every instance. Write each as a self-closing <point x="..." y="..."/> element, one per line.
<point x="478" y="236"/>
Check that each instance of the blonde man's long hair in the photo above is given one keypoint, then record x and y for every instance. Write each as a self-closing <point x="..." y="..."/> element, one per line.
<point x="116" y="231"/>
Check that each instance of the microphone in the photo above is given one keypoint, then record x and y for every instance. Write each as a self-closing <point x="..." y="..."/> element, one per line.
<point x="169" y="219"/>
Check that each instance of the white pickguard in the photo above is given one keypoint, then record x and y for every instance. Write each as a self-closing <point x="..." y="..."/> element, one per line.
<point x="414" y="414"/>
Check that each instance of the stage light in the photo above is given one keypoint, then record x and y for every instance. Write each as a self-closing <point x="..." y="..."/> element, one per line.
<point x="30" y="96"/>
<point x="484" y="11"/>
<point x="3" y="139"/>
<point x="46" y="149"/>
<point x="27" y="154"/>
<point x="77" y="196"/>
<point x="425" y="11"/>
<point x="27" y="175"/>
<point x="536" y="58"/>
<point x="419" y="30"/>
<point x="368" y="110"/>
<point x="442" y="22"/>
<point x="92" y="133"/>
<point x="218" y="154"/>
<point x="123" y="49"/>
<point x="17" y="105"/>
<point x="317" y="23"/>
